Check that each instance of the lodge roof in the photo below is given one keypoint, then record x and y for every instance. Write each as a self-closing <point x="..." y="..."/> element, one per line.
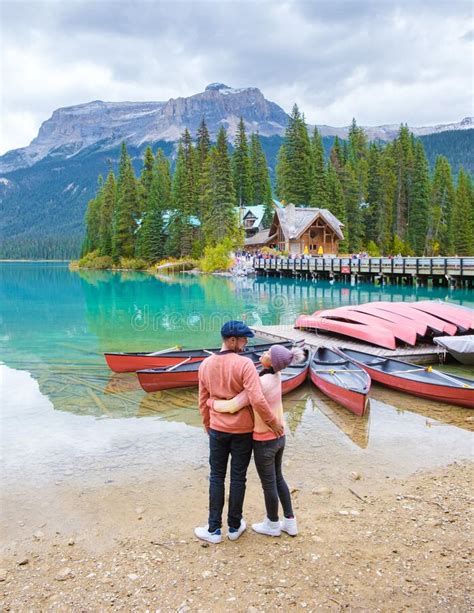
<point x="295" y="220"/>
<point x="260" y="238"/>
<point x="257" y="211"/>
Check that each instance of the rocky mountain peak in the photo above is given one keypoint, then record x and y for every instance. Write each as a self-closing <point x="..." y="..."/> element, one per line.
<point x="216" y="87"/>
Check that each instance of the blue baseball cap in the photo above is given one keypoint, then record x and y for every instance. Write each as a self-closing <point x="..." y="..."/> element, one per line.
<point x="236" y="328"/>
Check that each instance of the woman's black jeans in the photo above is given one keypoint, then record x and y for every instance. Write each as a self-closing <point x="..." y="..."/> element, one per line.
<point x="268" y="457"/>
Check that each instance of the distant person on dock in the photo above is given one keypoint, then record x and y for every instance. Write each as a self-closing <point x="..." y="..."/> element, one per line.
<point x="224" y="375"/>
<point x="268" y="447"/>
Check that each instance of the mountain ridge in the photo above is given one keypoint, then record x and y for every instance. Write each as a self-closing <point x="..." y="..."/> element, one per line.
<point x="74" y="128"/>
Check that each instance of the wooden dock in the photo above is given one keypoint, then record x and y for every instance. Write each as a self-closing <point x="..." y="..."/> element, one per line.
<point x="421" y="354"/>
<point x="441" y="271"/>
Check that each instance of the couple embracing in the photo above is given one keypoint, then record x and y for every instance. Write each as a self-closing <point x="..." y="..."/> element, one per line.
<point x="242" y="411"/>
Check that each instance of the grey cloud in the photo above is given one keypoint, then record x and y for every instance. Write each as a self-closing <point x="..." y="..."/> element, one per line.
<point x="314" y="53"/>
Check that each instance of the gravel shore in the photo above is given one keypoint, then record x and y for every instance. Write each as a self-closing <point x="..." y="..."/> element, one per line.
<point x="364" y="545"/>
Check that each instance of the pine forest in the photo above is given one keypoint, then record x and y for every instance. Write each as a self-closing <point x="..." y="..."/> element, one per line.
<point x="383" y="193"/>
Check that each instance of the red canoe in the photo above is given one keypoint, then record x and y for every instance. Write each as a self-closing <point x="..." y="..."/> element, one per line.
<point x="341" y="379"/>
<point x="131" y="362"/>
<point x="376" y="335"/>
<point x="446" y="312"/>
<point x="416" y="380"/>
<point x="435" y="323"/>
<point x="406" y="333"/>
<point x="402" y="320"/>
<point x="186" y="375"/>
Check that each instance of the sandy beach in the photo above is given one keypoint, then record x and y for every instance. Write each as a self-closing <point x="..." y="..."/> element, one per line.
<point x="365" y="544"/>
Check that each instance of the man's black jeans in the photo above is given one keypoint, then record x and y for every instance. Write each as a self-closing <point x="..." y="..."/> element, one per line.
<point x="268" y="457"/>
<point x="239" y="447"/>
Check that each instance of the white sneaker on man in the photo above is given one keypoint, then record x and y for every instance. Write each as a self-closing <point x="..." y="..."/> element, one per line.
<point x="288" y="525"/>
<point x="270" y="528"/>
<point x="211" y="537"/>
<point x="234" y="533"/>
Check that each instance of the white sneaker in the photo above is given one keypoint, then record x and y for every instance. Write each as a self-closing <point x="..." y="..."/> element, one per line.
<point x="234" y="535"/>
<point x="270" y="528"/>
<point x="289" y="526"/>
<point x="211" y="537"/>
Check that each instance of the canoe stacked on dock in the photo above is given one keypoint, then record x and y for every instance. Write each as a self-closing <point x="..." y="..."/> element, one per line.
<point x="385" y="323"/>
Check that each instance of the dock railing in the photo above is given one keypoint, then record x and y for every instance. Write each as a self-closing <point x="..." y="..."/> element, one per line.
<point x="402" y="266"/>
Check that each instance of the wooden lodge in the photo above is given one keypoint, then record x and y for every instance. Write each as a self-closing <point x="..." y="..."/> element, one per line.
<point x="299" y="230"/>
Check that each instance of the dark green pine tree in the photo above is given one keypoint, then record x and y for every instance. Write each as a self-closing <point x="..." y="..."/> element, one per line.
<point x="463" y="229"/>
<point x="295" y="176"/>
<point x="442" y="197"/>
<point x="404" y="158"/>
<point x="357" y="154"/>
<point x="281" y="171"/>
<point x="126" y="211"/>
<point x="336" y="156"/>
<point x="185" y="200"/>
<point x="384" y="227"/>
<point x="153" y="238"/>
<point x="203" y="145"/>
<point x="219" y="216"/>
<point x="352" y="200"/>
<point x="109" y="203"/>
<point x="146" y="179"/>
<point x="260" y="179"/>
<point x="374" y="194"/>
<point x="241" y="172"/>
<point x="318" y="170"/>
<point x="419" y="201"/>
<point x="335" y="199"/>
<point x="162" y="185"/>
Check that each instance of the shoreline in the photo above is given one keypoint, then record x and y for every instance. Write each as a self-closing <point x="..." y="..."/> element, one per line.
<point x="365" y="544"/>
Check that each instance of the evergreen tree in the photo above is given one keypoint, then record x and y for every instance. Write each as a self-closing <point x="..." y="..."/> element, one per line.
<point x="318" y="189"/>
<point x="463" y="231"/>
<point x="241" y="171"/>
<point x="109" y="203"/>
<point x="146" y="180"/>
<point x="440" y="227"/>
<point x="260" y="179"/>
<point x="419" y="202"/>
<point x="203" y="145"/>
<point x="388" y="179"/>
<point x="218" y="200"/>
<point x="185" y="199"/>
<point x="152" y="240"/>
<point x="336" y="156"/>
<point x="126" y="211"/>
<point x="375" y="188"/>
<point x="335" y="196"/>
<point x="353" y="213"/>
<point x="282" y="169"/>
<point x="295" y="176"/>
<point x="403" y="155"/>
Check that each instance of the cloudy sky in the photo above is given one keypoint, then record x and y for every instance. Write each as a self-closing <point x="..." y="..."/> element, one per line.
<point x="380" y="61"/>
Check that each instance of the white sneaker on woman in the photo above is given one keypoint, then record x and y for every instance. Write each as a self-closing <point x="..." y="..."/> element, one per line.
<point x="270" y="528"/>
<point x="289" y="526"/>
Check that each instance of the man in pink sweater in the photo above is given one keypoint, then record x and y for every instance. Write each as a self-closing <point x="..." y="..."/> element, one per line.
<point x="223" y="376"/>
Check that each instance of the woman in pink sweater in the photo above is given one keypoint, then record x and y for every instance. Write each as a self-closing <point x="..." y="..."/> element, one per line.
<point x="267" y="446"/>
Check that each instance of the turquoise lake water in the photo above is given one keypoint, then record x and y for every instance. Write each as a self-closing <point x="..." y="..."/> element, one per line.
<point x="62" y="405"/>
